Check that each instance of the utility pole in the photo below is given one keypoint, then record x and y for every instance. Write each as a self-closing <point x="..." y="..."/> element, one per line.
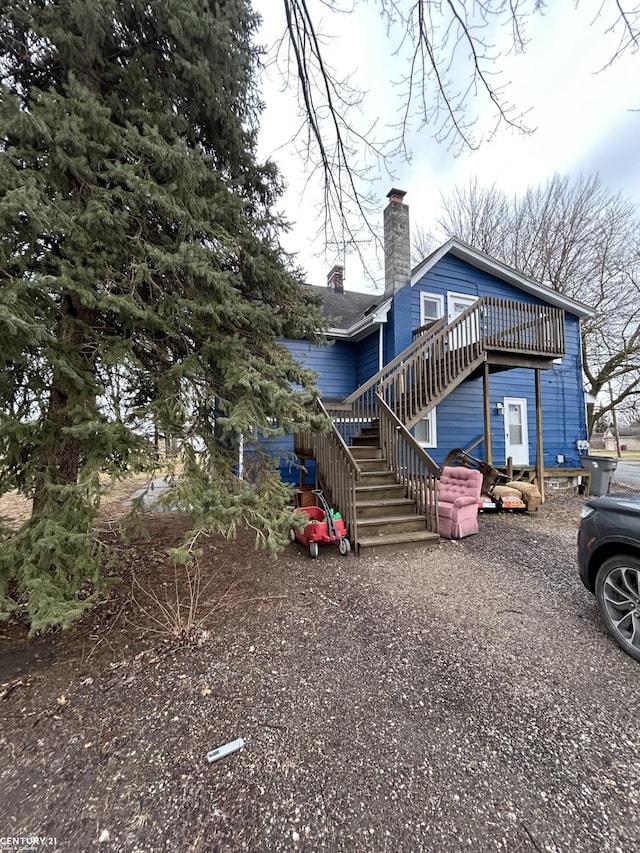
<point x="615" y="423"/>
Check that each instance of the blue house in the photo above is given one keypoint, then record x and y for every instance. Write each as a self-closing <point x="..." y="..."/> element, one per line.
<point x="460" y="352"/>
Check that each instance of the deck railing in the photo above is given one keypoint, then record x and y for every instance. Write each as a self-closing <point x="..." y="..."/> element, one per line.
<point x="521" y="327"/>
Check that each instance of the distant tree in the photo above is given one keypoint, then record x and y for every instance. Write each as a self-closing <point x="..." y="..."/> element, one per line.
<point x="584" y="242"/>
<point x="141" y="278"/>
<point x="630" y="415"/>
<point x="422" y="244"/>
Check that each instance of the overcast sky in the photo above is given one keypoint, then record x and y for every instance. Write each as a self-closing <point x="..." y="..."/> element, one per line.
<point x="584" y="122"/>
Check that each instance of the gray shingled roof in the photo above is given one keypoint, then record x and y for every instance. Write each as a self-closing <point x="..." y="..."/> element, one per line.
<point x="345" y="309"/>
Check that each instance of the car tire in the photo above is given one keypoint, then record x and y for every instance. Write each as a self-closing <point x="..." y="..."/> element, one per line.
<point x="313" y="550"/>
<point x="618" y="595"/>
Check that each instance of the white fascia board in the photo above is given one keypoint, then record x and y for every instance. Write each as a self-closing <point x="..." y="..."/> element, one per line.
<point x="382" y="311"/>
<point x="496" y="268"/>
<point x="364" y="325"/>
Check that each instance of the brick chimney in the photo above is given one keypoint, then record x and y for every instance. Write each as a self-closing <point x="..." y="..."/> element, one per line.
<point x="335" y="279"/>
<point x="397" y="240"/>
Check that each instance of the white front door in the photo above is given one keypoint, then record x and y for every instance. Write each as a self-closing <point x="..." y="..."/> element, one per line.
<point x="457" y="303"/>
<point x="516" y="434"/>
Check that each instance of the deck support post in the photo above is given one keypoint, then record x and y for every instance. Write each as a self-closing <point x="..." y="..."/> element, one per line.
<point x="488" y="442"/>
<point x="539" y="445"/>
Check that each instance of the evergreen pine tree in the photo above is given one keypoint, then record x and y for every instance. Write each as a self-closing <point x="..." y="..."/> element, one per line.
<point x="141" y="278"/>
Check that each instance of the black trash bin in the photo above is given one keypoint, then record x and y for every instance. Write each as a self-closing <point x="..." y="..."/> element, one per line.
<point x="602" y="469"/>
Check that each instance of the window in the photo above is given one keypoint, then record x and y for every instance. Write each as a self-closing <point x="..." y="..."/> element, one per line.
<point x="515" y="423"/>
<point x="431" y="308"/>
<point x="425" y="430"/>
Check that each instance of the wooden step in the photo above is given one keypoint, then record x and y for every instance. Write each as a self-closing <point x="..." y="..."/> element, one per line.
<point x="384" y="506"/>
<point x="384" y="525"/>
<point x="396" y="542"/>
<point x="378" y="478"/>
<point x="372" y="439"/>
<point x="366" y="451"/>
<point x="383" y="492"/>
<point x="374" y="464"/>
<point x="372" y="429"/>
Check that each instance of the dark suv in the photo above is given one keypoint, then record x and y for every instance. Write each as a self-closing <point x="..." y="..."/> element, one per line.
<point x="609" y="564"/>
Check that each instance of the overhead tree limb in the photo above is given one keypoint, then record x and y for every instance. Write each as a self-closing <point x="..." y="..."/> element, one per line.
<point x="446" y="77"/>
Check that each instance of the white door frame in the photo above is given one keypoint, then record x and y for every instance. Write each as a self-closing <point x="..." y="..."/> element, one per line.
<point x="452" y="296"/>
<point x="465" y="334"/>
<point x="519" y="452"/>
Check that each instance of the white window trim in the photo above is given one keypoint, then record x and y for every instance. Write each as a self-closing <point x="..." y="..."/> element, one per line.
<point x="436" y="297"/>
<point x="433" y="429"/>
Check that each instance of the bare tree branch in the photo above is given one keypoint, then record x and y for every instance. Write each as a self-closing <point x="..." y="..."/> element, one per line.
<point x="447" y="54"/>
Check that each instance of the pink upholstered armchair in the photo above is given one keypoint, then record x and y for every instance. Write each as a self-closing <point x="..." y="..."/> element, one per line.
<point x="458" y="496"/>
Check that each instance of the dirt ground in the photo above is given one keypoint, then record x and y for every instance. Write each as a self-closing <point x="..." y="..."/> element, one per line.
<point x="459" y="698"/>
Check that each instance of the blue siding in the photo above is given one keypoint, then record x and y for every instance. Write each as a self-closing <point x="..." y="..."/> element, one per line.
<point x="367" y="358"/>
<point x="460" y="416"/>
<point x="335" y="365"/>
<point x="452" y="274"/>
<point x="281" y="449"/>
<point x="341" y="366"/>
<point x="399" y="327"/>
<point x="563" y="404"/>
<point x="459" y="421"/>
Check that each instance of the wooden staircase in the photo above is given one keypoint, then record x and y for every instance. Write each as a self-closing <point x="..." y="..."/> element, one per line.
<point x="387" y="520"/>
<point x="381" y="479"/>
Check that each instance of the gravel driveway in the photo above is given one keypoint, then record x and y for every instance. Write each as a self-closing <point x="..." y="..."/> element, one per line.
<point x="498" y="713"/>
<point x="462" y="698"/>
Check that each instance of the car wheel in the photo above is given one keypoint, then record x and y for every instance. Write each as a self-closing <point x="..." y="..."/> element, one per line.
<point x="618" y="597"/>
<point x="292" y="534"/>
<point x="313" y="549"/>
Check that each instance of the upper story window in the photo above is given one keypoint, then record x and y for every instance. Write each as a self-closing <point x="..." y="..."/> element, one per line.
<point x="431" y="307"/>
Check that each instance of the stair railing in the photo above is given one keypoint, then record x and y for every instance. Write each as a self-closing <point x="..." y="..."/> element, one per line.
<point x="363" y="401"/>
<point x="338" y="472"/>
<point x="446" y="356"/>
<point x="411" y="464"/>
